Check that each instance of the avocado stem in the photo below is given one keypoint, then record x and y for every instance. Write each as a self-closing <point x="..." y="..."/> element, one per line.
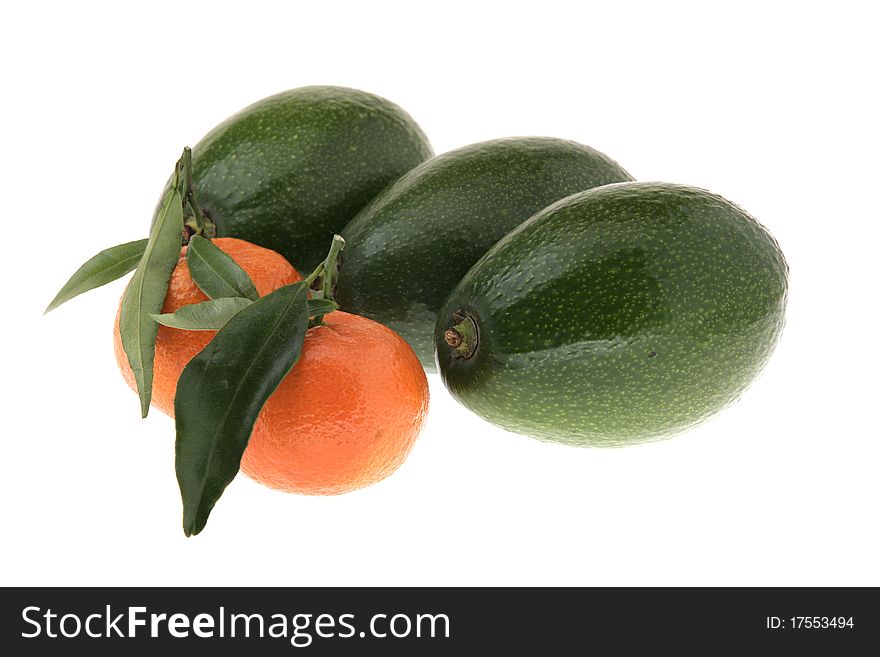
<point x="464" y="337"/>
<point x="453" y="338"/>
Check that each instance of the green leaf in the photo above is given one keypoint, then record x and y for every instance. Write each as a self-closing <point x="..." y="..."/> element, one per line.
<point x="321" y="306"/>
<point x="216" y="274"/>
<point x="101" y="269"/>
<point x="145" y="294"/>
<point x="222" y="390"/>
<point x="206" y="316"/>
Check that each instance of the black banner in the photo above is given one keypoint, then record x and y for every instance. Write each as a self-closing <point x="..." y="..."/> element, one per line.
<point x="420" y="621"/>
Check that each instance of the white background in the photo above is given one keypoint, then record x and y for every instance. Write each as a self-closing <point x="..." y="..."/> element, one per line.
<point x="773" y="105"/>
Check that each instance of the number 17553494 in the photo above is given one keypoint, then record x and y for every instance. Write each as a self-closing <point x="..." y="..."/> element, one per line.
<point x="821" y="622"/>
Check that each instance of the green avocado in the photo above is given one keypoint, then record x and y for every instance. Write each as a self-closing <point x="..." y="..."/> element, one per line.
<point x="408" y="248"/>
<point x="291" y="170"/>
<point x="615" y="316"/>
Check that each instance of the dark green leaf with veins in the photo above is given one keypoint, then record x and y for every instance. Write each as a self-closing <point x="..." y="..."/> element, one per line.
<point x="222" y="390"/>
<point x="145" y="294"/>
<point x="101" y="269"/>
<point x="217" y="274"/>
<point x="206" y="316"/>
<point x="321" y="306"/>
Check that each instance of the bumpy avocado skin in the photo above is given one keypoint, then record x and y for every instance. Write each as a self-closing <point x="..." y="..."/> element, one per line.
<point x="619" y="315"/>
<point x="291" y="170"/>
<point x="407" y="249"/>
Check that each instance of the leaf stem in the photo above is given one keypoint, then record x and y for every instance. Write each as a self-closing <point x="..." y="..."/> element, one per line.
<point x="178" y="167"/>
<point x="330" y="268"/>
<point x="201" y="222"/>
<point x="327" y="271"/>
<point x="314" y="275"/>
